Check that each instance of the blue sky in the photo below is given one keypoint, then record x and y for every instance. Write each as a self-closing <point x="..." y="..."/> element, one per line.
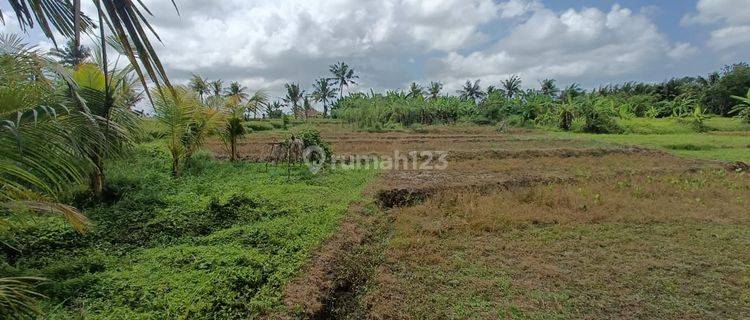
<point x="390" y="43"/>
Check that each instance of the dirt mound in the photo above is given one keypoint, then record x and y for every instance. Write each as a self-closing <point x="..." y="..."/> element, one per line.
<point x="738" y="166"/>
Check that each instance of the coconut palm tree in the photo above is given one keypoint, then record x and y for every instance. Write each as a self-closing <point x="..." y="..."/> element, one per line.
<point x="572" y="91"/>
<point x="233" y="128"/>
<point x="511" y="87"/>
<point x="293" y="97"/>
<point x="471" y="92"/>
<point x="549" y="88"/>
<point x="258" y="100"/>
<point x="415" y="90"/>
<point x="323" y="92"/>
<point x="41" y="137"/>
<point x="217" y="87"/>
<point x="343" y="76"/>
<point x="101" y="93"/>
<point x="187" y="122"/>
<point x="199" y="85"/>
<point x="434" y="89"/>
<point x="237" y="92"/>
<point x="273" y="110"/>
<point x="71" y="55"/>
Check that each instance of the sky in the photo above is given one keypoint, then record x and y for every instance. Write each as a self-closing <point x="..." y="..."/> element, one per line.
<point x="391" y="43"/>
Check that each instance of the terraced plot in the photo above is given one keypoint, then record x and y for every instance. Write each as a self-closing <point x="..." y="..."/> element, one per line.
<point x="537" y="227"/>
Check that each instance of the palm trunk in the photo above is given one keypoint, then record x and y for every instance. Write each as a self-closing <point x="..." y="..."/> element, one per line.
<point x="175" y="166"/>
<point x="97" y="178"/>
<point x="233" y="147"/>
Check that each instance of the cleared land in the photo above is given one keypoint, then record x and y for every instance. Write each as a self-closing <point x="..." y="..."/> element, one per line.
<point x="530" y="225"/>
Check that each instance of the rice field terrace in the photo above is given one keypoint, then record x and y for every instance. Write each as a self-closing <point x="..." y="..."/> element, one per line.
<point x="528" y="224"/>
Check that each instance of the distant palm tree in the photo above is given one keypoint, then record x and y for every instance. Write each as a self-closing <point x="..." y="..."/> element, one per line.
<point x="199" y="85"/>
<point x="572" y="91"/>
<point x="511" y="87"/>
<point x="343" y="76"/>
<point x="491" y="89"/>
<point x="324" y="92"/>
<point x="415" y="90"/>
<point x="258" y="100"/>
<point x="471" y="92"/>
<point x="71" y="55"/>
<point x="217" y="87"/>
<point x="549" y="88"/>
<point x="434" y="89"/>
<point x="293" y="96"/>
<point x="273" y="110"/>
<point x="237" y="92"/>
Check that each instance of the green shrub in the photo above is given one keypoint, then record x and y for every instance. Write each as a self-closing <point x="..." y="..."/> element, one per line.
<point x="599" y="119"/>
<point x="312" y="138"/>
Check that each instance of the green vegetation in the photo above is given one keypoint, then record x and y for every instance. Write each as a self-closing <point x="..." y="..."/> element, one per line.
<point x="219" y="242"/>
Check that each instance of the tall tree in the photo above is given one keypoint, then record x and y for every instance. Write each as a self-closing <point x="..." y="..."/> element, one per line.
<point x="273" y="110"/>
<point x="415" y="90"/>
<point x="217" y="87"/>
<point x="71" y="55"/>
<point x="293" y="97"/>
<point x="258" y="100"/>
<point x="343" y="76"/>
<point x="324" y="92"/>
<point x="434" y="89"/>
<point x="471" y="92"/>
<point x="572" y="91"/>
<point x="237" y="92"/>
<point x="549" y="88"/>
<point x="511" y="87"/>
<point x="200" y="86"/>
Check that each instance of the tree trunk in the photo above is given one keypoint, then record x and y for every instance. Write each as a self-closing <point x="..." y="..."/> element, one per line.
<point x="325" y="110"/>
<point x="233" y="147"/>
<point x="96" y="183"/>
<point x="175" y="166"/>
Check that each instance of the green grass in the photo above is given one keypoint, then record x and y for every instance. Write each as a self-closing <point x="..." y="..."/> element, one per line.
<point x="677" y="126"/>
<point x="217" y="243"/>
<point x="729" y="140"/>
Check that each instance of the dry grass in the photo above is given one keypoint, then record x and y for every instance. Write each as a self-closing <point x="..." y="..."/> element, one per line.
<point x="667" y="246"/>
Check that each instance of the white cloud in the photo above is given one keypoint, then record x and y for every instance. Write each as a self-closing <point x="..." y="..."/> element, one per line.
<point x="295" y="40"/>
<point x="732" y="18"/>
<point x="574" y="45"/>
<point x="682" y="50"/>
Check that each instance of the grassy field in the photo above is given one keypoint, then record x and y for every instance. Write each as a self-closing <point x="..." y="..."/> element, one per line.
<point x="218" y="243"/>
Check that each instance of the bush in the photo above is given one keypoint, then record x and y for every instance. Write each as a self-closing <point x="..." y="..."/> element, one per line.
<point x="312" y="138"/>
<point x="600" y="118"/>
